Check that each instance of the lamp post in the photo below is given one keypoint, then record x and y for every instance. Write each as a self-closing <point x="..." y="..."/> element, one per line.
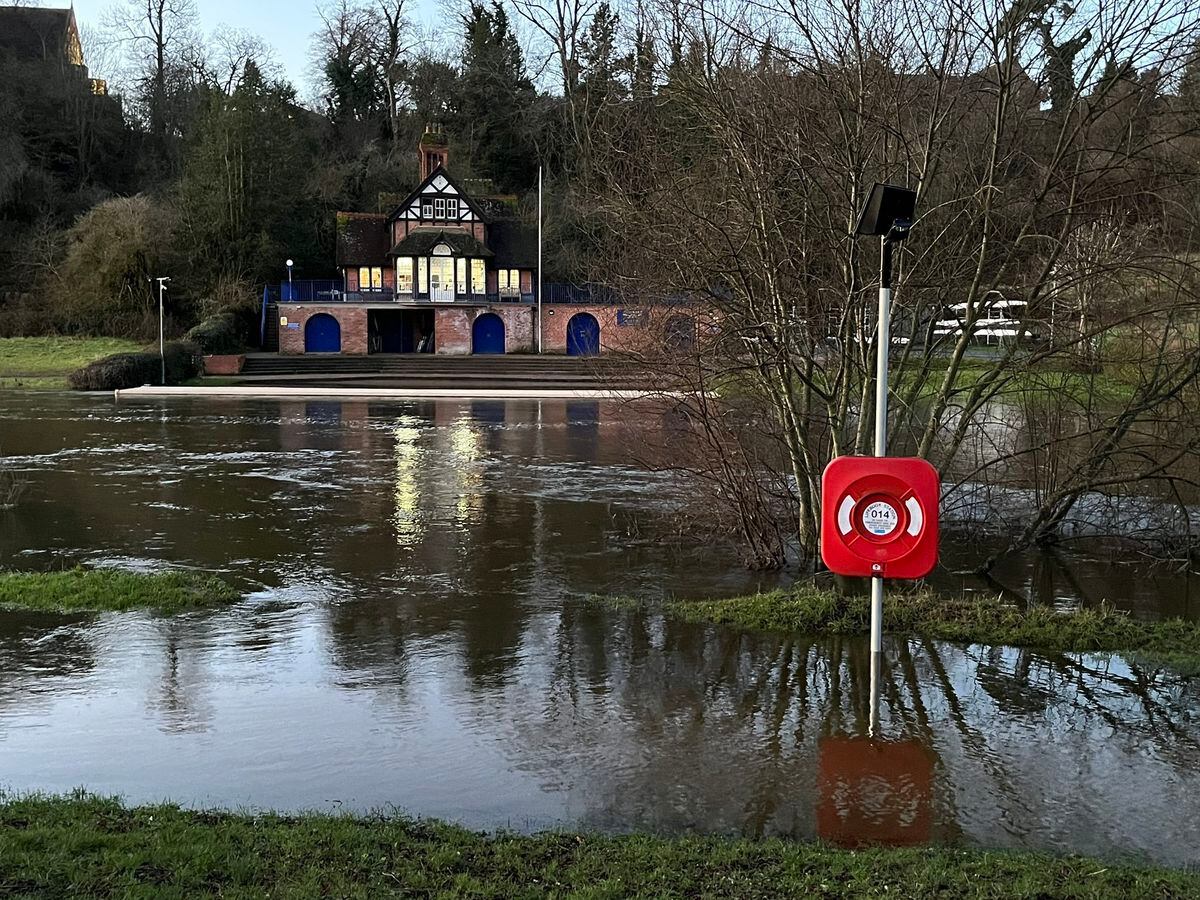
<point x="888" y="214"/>
<point x="162" y="346"/>
<point x="289" y="268"/>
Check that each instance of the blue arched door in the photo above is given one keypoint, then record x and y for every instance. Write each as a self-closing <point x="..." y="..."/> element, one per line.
<point x="487" y="334"/>
<point x="322" y="334"/>
<point x="583" y="335"/>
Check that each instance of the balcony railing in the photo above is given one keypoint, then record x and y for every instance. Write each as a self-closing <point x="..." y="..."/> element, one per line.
<point x="333" y="291"/>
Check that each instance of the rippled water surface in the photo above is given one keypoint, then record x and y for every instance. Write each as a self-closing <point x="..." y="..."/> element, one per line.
<point x="416" y="634"/>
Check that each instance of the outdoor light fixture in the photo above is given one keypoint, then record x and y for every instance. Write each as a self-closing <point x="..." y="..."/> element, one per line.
<point x="289" y="268"/>
<point x="888" y="213"/>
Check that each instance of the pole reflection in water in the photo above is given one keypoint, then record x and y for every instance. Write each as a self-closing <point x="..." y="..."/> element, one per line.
<point x="872" y="789"/>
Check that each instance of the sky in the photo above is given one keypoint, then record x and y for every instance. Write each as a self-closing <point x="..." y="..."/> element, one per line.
<point x="287" y="25"/>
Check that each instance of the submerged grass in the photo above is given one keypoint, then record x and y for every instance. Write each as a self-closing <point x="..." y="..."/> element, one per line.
<point x="971" y="620"/>
<point x="78" y="590"/>
<point x="83" y="846"/>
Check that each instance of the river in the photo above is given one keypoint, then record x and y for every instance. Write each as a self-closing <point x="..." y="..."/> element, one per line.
<point x="417" y="636"/>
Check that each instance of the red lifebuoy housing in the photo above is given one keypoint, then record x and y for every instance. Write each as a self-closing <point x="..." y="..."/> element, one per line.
<point x="879" y="516"/>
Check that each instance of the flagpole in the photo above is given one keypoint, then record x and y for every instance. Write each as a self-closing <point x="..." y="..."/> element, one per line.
<point x="539" y="263"/>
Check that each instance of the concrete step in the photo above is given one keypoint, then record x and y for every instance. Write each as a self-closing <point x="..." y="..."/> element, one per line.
<point x="452" y="367"/>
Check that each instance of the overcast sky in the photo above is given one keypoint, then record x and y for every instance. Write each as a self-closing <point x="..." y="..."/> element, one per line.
<point x="287" y="25"/>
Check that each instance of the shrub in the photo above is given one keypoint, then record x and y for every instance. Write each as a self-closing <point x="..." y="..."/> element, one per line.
<point x="218" y="334"/>
<point x="103" y="283"/>
<point x="127" y="370"/>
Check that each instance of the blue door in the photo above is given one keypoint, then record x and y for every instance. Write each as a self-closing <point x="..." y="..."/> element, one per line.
<point x="322" y="334"/>
<point x="487" y="334"/>
<point x="583" y="335"/>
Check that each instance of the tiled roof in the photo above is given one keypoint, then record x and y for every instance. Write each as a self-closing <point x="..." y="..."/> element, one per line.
<point x="422" y="241"/>
<point x="362" y="239"/>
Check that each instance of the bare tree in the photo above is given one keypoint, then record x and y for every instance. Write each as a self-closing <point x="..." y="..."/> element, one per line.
<point x="1046" y="175"/>
<point x="561" y="24"/>
<point x="156" y="34"/>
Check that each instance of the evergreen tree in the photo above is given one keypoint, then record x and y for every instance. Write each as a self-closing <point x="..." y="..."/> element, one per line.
<point x="496" y="99"/>
<point x="243" y="196"/>
<point x="598" y="55"/>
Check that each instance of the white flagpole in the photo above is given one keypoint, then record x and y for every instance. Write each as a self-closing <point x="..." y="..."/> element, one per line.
<point x="539" y="274"/>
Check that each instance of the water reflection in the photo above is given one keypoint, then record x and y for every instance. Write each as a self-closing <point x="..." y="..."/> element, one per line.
<point x="418" y="636"/>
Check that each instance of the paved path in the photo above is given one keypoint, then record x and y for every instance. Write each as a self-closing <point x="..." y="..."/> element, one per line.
<point x="292" y="393"/>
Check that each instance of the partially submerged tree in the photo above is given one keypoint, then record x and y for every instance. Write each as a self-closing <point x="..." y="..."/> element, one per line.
<point x="1045" y="176"/>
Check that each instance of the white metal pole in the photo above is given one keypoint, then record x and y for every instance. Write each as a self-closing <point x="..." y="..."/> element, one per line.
<point x="539" y="272"/>
<point x="881" y="416"/>
<point x="873" y="722"/>
<point x="162" y="347"/>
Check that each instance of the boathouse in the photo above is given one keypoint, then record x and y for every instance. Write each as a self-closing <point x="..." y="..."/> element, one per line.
<point x="447" y="270"/>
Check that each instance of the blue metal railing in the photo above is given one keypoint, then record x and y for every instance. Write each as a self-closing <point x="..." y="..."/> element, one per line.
<point x="315" y="291"/>
<point x="599" y="294"/>
<point x="333" y="291"/>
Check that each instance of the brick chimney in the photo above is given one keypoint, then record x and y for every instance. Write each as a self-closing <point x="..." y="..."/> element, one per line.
<point x="433" y="150"/>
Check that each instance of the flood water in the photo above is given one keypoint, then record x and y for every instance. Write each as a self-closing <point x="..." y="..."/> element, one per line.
<point x="417" y="636"/>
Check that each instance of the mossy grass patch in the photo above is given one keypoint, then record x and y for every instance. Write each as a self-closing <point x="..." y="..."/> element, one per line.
<point x="962" y="619"/>
<point x="99" y="590"/>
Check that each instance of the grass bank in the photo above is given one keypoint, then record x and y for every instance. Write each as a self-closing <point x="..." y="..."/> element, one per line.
<point x="89" y="847"/>
<point x="79" y="590"/>
<point x="43" y="363"/>
<point x="971" y="620"/>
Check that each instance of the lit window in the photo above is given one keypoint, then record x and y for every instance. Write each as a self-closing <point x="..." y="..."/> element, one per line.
<point x="461" y="266"/>
<point x="404" y="275"/>
<point x="478" y="277"/>
<point x="422" y="275"/>
<point x="509" y="282"/>
<point x="439" y="208"/>
<point x="452" y="208"/>
<point x="370" y="278"/>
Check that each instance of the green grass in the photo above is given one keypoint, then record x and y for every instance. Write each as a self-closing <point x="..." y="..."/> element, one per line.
<point x="78" y="590"/>
<point x="972" y="620"/>
<point x="43" y="363"/>
<point x="84" y="846"/>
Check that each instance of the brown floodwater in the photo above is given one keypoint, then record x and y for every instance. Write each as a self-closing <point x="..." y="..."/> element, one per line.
<point x="417" y="636"/>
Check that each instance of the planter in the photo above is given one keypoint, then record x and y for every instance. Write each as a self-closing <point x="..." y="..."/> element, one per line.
<point x="229" y="364"/>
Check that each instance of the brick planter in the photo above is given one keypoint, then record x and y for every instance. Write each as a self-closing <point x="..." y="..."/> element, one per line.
<point x="230" y="364"/>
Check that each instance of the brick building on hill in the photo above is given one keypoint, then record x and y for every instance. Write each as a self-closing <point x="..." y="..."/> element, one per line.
<point x="30" y="34"/>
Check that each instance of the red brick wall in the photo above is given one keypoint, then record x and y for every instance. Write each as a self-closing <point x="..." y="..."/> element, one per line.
<point x="452" y="327"/>
<point x="613" y="337"/>
<point x="352" y="319"/>
<point x="452" y="330"/>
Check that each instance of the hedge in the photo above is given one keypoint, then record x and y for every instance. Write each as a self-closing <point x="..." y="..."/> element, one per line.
<point x="217" y="335"/>
<point x="127" y="370"/>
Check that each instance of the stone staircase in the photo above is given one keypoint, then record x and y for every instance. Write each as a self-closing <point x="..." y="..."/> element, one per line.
<point x="406" y="371"/>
